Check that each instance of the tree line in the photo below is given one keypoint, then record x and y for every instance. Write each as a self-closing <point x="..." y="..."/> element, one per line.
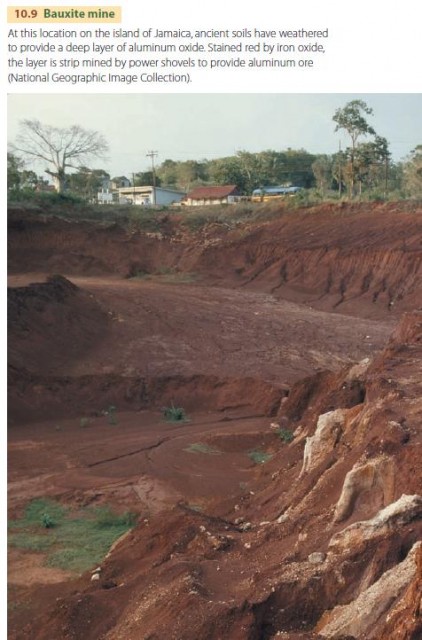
<point x="363" y="168"/>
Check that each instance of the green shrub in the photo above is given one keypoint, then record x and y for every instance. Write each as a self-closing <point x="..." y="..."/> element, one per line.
<point x="111" y="414"/>
<point x="259" y="457"/>
<point x="285" y="435"/>
<point x="47" y="521"/>
<point x="174" y="414"/>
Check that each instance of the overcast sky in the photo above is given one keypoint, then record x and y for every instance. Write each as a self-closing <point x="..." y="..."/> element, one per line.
<point x="206" y="126"/>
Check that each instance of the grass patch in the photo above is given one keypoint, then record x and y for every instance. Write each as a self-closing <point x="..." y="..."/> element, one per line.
<point x="175" y="414"/>
<point x="179" y="278"/>
<point x="202" y="447"/>
<point x="110" y="414"/>
<point x="77" y="540"/>
<point x="285" y="435"/>
<point x="259" y="457"/>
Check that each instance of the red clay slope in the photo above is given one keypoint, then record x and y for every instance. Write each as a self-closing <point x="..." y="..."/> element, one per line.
<point x="362" y="259"/>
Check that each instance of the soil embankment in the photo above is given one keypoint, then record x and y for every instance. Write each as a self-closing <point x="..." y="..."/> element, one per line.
<point x="287" y="504"/>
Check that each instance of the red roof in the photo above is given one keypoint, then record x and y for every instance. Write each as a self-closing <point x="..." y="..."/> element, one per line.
<point x="206" y="193"/>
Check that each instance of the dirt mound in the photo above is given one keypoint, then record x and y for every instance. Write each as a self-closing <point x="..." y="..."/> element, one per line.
<point x="51" y="324"/>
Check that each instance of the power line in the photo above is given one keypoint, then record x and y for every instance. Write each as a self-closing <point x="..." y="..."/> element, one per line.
<point x="152" y="154"/>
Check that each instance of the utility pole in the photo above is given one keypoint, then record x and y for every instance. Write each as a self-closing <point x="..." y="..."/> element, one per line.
<point x="152" y="154"/>
<point x="340" y="169"/>
<point x="386" y="177"/>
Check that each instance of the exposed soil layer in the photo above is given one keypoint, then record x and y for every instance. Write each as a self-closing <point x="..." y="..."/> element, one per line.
<point x="355" y="259"/>
<point x="287" y="504"/>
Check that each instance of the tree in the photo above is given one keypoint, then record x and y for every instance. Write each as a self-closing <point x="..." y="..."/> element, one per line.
<point x="167" y="173"/>
<point x="18" y="177"/>
<point x="87" y="182"/>
<point x="352" y="119"/>
<point x="338" y="170"/>
<point x="372" y="161"/>
<point x="61" y="148"/>
<point x="191" y="173"/>
<point x="322" y="168"/>
<point x="228" y="171"/>
<point x="146" y="179"/>
<point x="413" y="173"/>
<point x="14" y="167"/>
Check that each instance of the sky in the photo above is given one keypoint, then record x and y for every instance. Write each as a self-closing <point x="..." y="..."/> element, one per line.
<point x="206" y="126"/>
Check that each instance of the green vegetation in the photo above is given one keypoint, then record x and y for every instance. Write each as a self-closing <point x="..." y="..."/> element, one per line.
<point x="259" y="457"/>
<point x="72" y="540"/>
<point x="110" y="413"/>
<point x="144" y="219"/>
<point x="285" y="435"/>
<point x="174" y="414"/>
<point x="202" y="447"/>
<point x="84" y="422"/>
<point x="47" y="521"/>
<point x="364" y="169"/>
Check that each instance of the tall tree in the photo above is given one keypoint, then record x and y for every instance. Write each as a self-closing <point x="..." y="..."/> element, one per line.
<point x="413" y="173"/>
<point x="14" y="167"/>
<point x="87" y="182"/>
<point x="322" y="168"/>
<point x="61" y="148"/>
<point x="372" y="161"/>
<point x="146" y="179"/>
<point x="228" y="171"/>
<point x="352" y="119"/>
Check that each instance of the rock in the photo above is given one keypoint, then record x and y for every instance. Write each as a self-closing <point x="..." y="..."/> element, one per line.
<point x="358" y="618"/>
<point x="388" y="519"/>
<point x="358" y="371"/>
<point x="317" y="557"/>
<point x="283" y="517"/>
<point x="95" y="576"/>
<point x="374" y="474"/>
<point x="327" y="433"/>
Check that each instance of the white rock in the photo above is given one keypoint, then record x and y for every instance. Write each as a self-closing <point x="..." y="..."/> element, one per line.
<point x="327" y="433"/>
<point x="393" y="516"/>
<point x="317" y="557"/>
<point x="359" y="616"/>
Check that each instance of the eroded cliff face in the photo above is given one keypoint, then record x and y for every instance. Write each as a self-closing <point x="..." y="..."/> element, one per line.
<point x="327" y="544"/>
<point x="357" y="259"/>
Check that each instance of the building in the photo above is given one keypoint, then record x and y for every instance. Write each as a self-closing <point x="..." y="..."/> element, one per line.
<point x="225" y="194"/>
<point x="119" y="182"/>
<point x="144" y="196"/>
<point x="149" y="196"/>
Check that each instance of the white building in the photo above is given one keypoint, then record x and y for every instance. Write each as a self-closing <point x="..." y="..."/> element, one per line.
<point x="150" y="196"/>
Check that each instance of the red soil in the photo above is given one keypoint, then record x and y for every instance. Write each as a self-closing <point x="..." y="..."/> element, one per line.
<point x="266" y="331"/>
